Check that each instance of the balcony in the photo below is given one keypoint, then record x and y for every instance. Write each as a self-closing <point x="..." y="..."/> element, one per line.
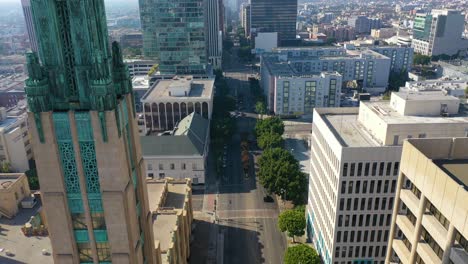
<point x="405" y="225"/>
<point x="410" y="200"/>
<point x="435" y="228"/>
<point x="401" y="250"/>
<point x="427" y="254"/>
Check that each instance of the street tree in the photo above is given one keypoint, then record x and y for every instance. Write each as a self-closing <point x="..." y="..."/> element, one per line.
<point x="302" y="254"/>
<point x="280" y="173"/>
<point x="260" y="108"/>
<point x="293" y="222"/>
<point x="270" y="140"/>
<point x="269" y="125"/>
<point x="420" y="59"/>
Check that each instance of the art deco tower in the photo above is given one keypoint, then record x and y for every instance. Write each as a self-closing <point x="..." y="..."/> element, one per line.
<point x="85" y="138"/>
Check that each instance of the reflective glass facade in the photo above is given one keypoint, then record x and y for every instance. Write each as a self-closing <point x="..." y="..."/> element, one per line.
<point x="274" y="16"/>
<point x="174" y="35"/>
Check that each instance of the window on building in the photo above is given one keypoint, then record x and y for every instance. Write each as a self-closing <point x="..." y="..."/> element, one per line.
<point x="345" y="236"/>
<point x="352" y="170"/>
<point x="194" y="166"/>
<point x="345" y="169"/>
<point x="384" y="203"/>
<point x="343" y="187"/>
<point x="376" y="204"/>
<point x="369" y="203"/>
<point x="371" y="188"/>
<point x="366" y="169"/>
<point x="151" y="175"/>
<point x="379" y="186"/>
<point x="363" y="203"/>
<point x="341" y="204"/>
<point x="363" y="252"/>
<point x="361" y="218"/>
<point x="172" y="166"/>
<point x="359" y="169"/>
<point x="356" y="204"/>
<point x="372" y="236"/>
<point x="358" y="236"/>
<point x="358" y="187"/>
<point x="103" y="251"/>
<point x="374" y="168"/>
<point x="386" y="184"/>
<point x="381" y="168"/>
<point x="338" y="236"/>
<point x="350" y="187"/>
<point x="389" y="168"/>
<point x="84" y="252"/>
<point x="183" y="166"/>
<point x="348" y="204"/>
<point x="161" y="166"/>
<point x="364" y="187"/>
<point x="367" y="221"/>
<point x="150" y="166"/>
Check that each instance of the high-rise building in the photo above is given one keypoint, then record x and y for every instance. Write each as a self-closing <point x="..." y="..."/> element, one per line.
<point x="81" y="110"/>
<point x="245" y="18"/>
<point x="174" y="34"/>
<point x="439" y="32"/>
<point x="355" y="162"/>
<point x="214" y="34"/>
<point x="429" y="223"/>
<point x="274" y="16"/>
<point x="29" y="24"/>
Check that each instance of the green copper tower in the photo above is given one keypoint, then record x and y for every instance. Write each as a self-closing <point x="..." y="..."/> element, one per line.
<point x="85" y="138"/>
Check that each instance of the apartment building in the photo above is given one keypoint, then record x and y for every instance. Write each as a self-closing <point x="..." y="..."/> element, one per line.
<point x="368" y="68"/>
<point x="301" y="94"/>
<point x="429" y="223"/>
<point x="355" y="162"/>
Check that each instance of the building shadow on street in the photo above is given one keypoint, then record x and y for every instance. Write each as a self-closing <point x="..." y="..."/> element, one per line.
<point x="238" y="242"/>
<point x="5" y="260"/>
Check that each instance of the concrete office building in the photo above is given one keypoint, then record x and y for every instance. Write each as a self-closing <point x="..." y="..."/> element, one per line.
<point x="85" y="139"/>
<point x="174" y="35"/>
<point x="182" y="154"/>
<point x="214" y="35"/>
<point x="274" y="16"/>
<point x="439" y="32"/>
<point x="368" y="68"/>
<point x="140" y="67"/>
<point x="26" y="4"/>
<point x="169" y="101"/>
<point x="429" y="223"/>
<point x="355" y="162"/>
<point x="171" y="207"/>
<point x="455" y="88"/>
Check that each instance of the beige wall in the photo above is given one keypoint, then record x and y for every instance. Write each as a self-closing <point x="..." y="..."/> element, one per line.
<point x="194" y="167"/>
<point x="11" y="197"/>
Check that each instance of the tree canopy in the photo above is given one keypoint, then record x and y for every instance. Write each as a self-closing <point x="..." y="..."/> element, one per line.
<point x="270" y="140"/>
<point x="260" y="108"/>
<point x="280" y="173"/>
<point x="301" y="254"/>
<point x="293" y="222"/>
<point x="269" y="125"/>
<point x="419" y="59"/>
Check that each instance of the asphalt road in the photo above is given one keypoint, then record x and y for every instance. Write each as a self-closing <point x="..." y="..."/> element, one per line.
<point x="247" y="225"/>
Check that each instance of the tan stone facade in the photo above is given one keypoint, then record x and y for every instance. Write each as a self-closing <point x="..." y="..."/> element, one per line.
<point x="172" y="219"/>
<point x="13" y="188"/>
<point x="129" y="236"/>
<point x="430" y="216"/>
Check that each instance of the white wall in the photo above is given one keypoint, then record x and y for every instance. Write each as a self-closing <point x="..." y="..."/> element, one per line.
<point x="194" y="167"/>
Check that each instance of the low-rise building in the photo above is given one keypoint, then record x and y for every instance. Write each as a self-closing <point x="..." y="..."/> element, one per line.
<point x="181" y="154"/>
<point x="429" y="222"/>
<point x="11" y="89"/>
<point x="169" y="101"/>
<point x="455" y="88"/>
<point x="170" y="204"/>
<point x="13" y="189"/>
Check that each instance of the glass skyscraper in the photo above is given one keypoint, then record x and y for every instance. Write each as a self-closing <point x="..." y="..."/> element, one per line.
<point x="174" y="35"/>
<point x="85" y="139"/>
<point x="274" y="16"/>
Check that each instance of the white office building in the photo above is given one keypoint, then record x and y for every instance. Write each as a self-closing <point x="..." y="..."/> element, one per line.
<point x="439" y="32"/>
<point x="355" y="163"/>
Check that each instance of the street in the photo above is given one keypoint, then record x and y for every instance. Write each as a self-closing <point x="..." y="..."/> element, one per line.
<point x="243" y="228"/>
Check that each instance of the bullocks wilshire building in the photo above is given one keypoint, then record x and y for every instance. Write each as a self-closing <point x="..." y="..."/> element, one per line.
<point x="355" y="162"/>
<point x="85" y="138"/>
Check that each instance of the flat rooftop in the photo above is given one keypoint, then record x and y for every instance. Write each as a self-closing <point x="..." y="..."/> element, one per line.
<point x="457" y="169"/>
<point x="7" y="180"/>
<point x="391" y="116"/>
<point x="200" y="88"/>
<point x="348" y="131"/>
<point x="425" y="96"/>
<point x="165" y="203"/>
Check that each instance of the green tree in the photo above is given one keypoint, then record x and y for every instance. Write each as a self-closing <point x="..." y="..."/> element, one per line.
<point x="397" y="80"/>
<point x="293" y="222"/>
<point x="302" y="254"/>
<point x="280" y="173"/>
<point x="270" y="140"/>
<point x="420" y="59"/>
<point x="5" y="167"/>
<point x="269" y="125"/>
<point x="260" y="108"/>
<point x="33" y="180"/>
